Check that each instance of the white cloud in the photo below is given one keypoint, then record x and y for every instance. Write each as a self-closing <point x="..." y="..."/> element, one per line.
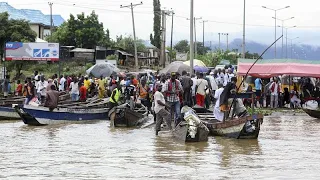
<point x="226" y="11"/>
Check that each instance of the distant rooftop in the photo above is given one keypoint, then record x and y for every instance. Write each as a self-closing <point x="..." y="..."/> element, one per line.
<point x="32" y="15"/>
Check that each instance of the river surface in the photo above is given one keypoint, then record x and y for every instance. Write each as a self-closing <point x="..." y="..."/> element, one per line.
<point x="287" y="148"/>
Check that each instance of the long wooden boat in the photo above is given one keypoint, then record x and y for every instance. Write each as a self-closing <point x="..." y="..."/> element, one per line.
<point x="123" y="116"/>
<point x="38" y="116"/>
<point x="7" y="111"/>
<point x="180" y="132"/>
<point x="312" y="113"/>
<point x="240" y="128"/>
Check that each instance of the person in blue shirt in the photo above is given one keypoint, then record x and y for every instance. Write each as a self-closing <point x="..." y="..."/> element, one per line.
<point x="258" y="87"/>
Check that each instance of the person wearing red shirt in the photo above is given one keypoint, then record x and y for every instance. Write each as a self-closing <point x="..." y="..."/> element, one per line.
<point x="19" y="89"/>
<point x="83" y="93"/>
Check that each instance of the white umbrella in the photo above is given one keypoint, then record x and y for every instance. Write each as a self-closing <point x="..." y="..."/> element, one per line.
<point x="176" y="66"/>
<point x="104" y="69"/>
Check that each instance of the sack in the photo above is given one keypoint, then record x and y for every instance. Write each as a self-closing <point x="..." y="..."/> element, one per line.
<point x="312" y="105"/>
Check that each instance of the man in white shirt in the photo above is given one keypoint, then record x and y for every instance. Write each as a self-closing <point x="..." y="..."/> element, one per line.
<point x="62" y="83"/>
<point x="193" y="88"/>
<point x="74" y="86"/>
<point x="201" y="90"/>
<point x="41" y="89"/>
<point x="216" y="112"/>
<point x="230" y="74"/>
<point x="160" y="109"/>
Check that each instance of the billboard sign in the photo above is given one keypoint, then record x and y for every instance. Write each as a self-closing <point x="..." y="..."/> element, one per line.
<point x="32" y="51"/>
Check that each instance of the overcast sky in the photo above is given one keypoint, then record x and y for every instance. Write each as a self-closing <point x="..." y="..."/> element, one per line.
<point x="225" y="16"/>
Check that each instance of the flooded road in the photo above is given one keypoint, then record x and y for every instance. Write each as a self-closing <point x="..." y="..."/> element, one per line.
<point x="288" y="148"/>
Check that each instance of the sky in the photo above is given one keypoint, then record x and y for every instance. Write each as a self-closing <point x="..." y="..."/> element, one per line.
<point x="223" y="16"/>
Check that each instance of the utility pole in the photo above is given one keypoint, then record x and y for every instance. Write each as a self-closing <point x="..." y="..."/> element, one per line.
<point x="171" y="32"/>
<point x="131" y="6"/>
<point x="164" y="33"/>
<point x="224" y="34"/>
<point x="163" y="44"/>
<point x="244" y="31"/>
<point x="191" y="37"/>
<point x="203" y="22"/>
<point x="195" y="36"/>
<point x="219" y="41"/>
<point x="51" y="20"/>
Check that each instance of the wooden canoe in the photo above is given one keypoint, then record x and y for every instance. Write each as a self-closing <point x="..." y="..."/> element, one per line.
<point x="123" y="116"/>
<point x="313" y="113"/>
<point x="238" y="128"/>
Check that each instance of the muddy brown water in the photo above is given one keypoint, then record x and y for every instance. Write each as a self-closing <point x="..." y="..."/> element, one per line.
<point x="288" y="148"/>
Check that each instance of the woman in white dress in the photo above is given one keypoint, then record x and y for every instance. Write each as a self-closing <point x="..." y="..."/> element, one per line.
<point x="216" y="112"/>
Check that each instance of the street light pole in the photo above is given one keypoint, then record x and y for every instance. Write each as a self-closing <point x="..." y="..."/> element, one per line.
<point x="195" y="36"/>
<point x="244" y="31"/>
<point x="282" y="20"/>
<point x="191" y="37"/>
<point x="291" y="43"/>
<point x="203" y="22"/>
<point x="287" y="39"/>
<point x="275" y="26"/>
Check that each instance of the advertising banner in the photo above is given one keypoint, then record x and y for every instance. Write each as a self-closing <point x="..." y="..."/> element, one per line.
<point x="32" y="51"/>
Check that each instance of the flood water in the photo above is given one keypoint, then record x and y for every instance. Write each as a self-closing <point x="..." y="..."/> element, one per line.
<point x="288" y="148"/>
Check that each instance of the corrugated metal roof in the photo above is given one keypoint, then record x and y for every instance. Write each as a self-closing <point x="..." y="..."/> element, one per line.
<point x="32" y="15"/>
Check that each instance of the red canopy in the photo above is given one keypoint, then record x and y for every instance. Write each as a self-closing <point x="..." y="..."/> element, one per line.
<point x="266" y="68"/>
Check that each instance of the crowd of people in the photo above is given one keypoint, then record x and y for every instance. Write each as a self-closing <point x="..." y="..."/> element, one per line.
<point x="166" y="93"/>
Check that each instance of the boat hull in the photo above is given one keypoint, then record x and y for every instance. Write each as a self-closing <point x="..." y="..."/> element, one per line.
<point x="43" y="116"/>
<point x="313" y="113"/>
<point x="237" y="128"/>
<point x="8" y="113"/>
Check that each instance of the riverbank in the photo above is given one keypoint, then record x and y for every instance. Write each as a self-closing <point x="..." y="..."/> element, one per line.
<point x="278" y="111"/>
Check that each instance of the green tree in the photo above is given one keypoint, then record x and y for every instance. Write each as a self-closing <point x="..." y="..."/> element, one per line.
<point x="201" y="49"/>
<point x="83" y="31"/>
<point x="127" y="44"/>
<point x="172" y="53"/>
<point x="155" y="39"/>
<point x="15" y="31"/>
<point x="182" y="46"/>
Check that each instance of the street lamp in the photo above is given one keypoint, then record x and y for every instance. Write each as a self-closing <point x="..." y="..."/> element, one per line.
<point x="291" y="43"/>
<point x="282" y="20"/>
<point x="275" y="26"/>
<point x="287" y="37"/>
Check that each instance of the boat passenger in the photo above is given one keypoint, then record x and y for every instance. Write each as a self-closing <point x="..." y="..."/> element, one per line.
<point x="130" y="93"/>
<point x="218" y="114"/>
<point x="144" y="95"/>
<point x="86" y="82"/>
<point x="102" y="87"/>
<point x="41" y="89"/>
<point x="115" y="97"/>
<point x="74" y="89"/>
<point x="19" y="89"/>
<point x="62" y="83"/>
<point x="30" y="91"/>
<point x="52" y="98"/>
<point x="5" y="86"/>
<point x="83" y="93"/>
<point x="160" y="109"/>
<point x="25" y="88"/>
<point x="227" y="93"/>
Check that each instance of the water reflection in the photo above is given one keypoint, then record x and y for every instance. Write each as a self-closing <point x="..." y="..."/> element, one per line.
<point x="168" y="149"/>
<point x="231" y="149"/>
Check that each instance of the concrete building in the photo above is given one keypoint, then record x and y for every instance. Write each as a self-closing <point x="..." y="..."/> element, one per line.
<point x="39" y="22"/>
